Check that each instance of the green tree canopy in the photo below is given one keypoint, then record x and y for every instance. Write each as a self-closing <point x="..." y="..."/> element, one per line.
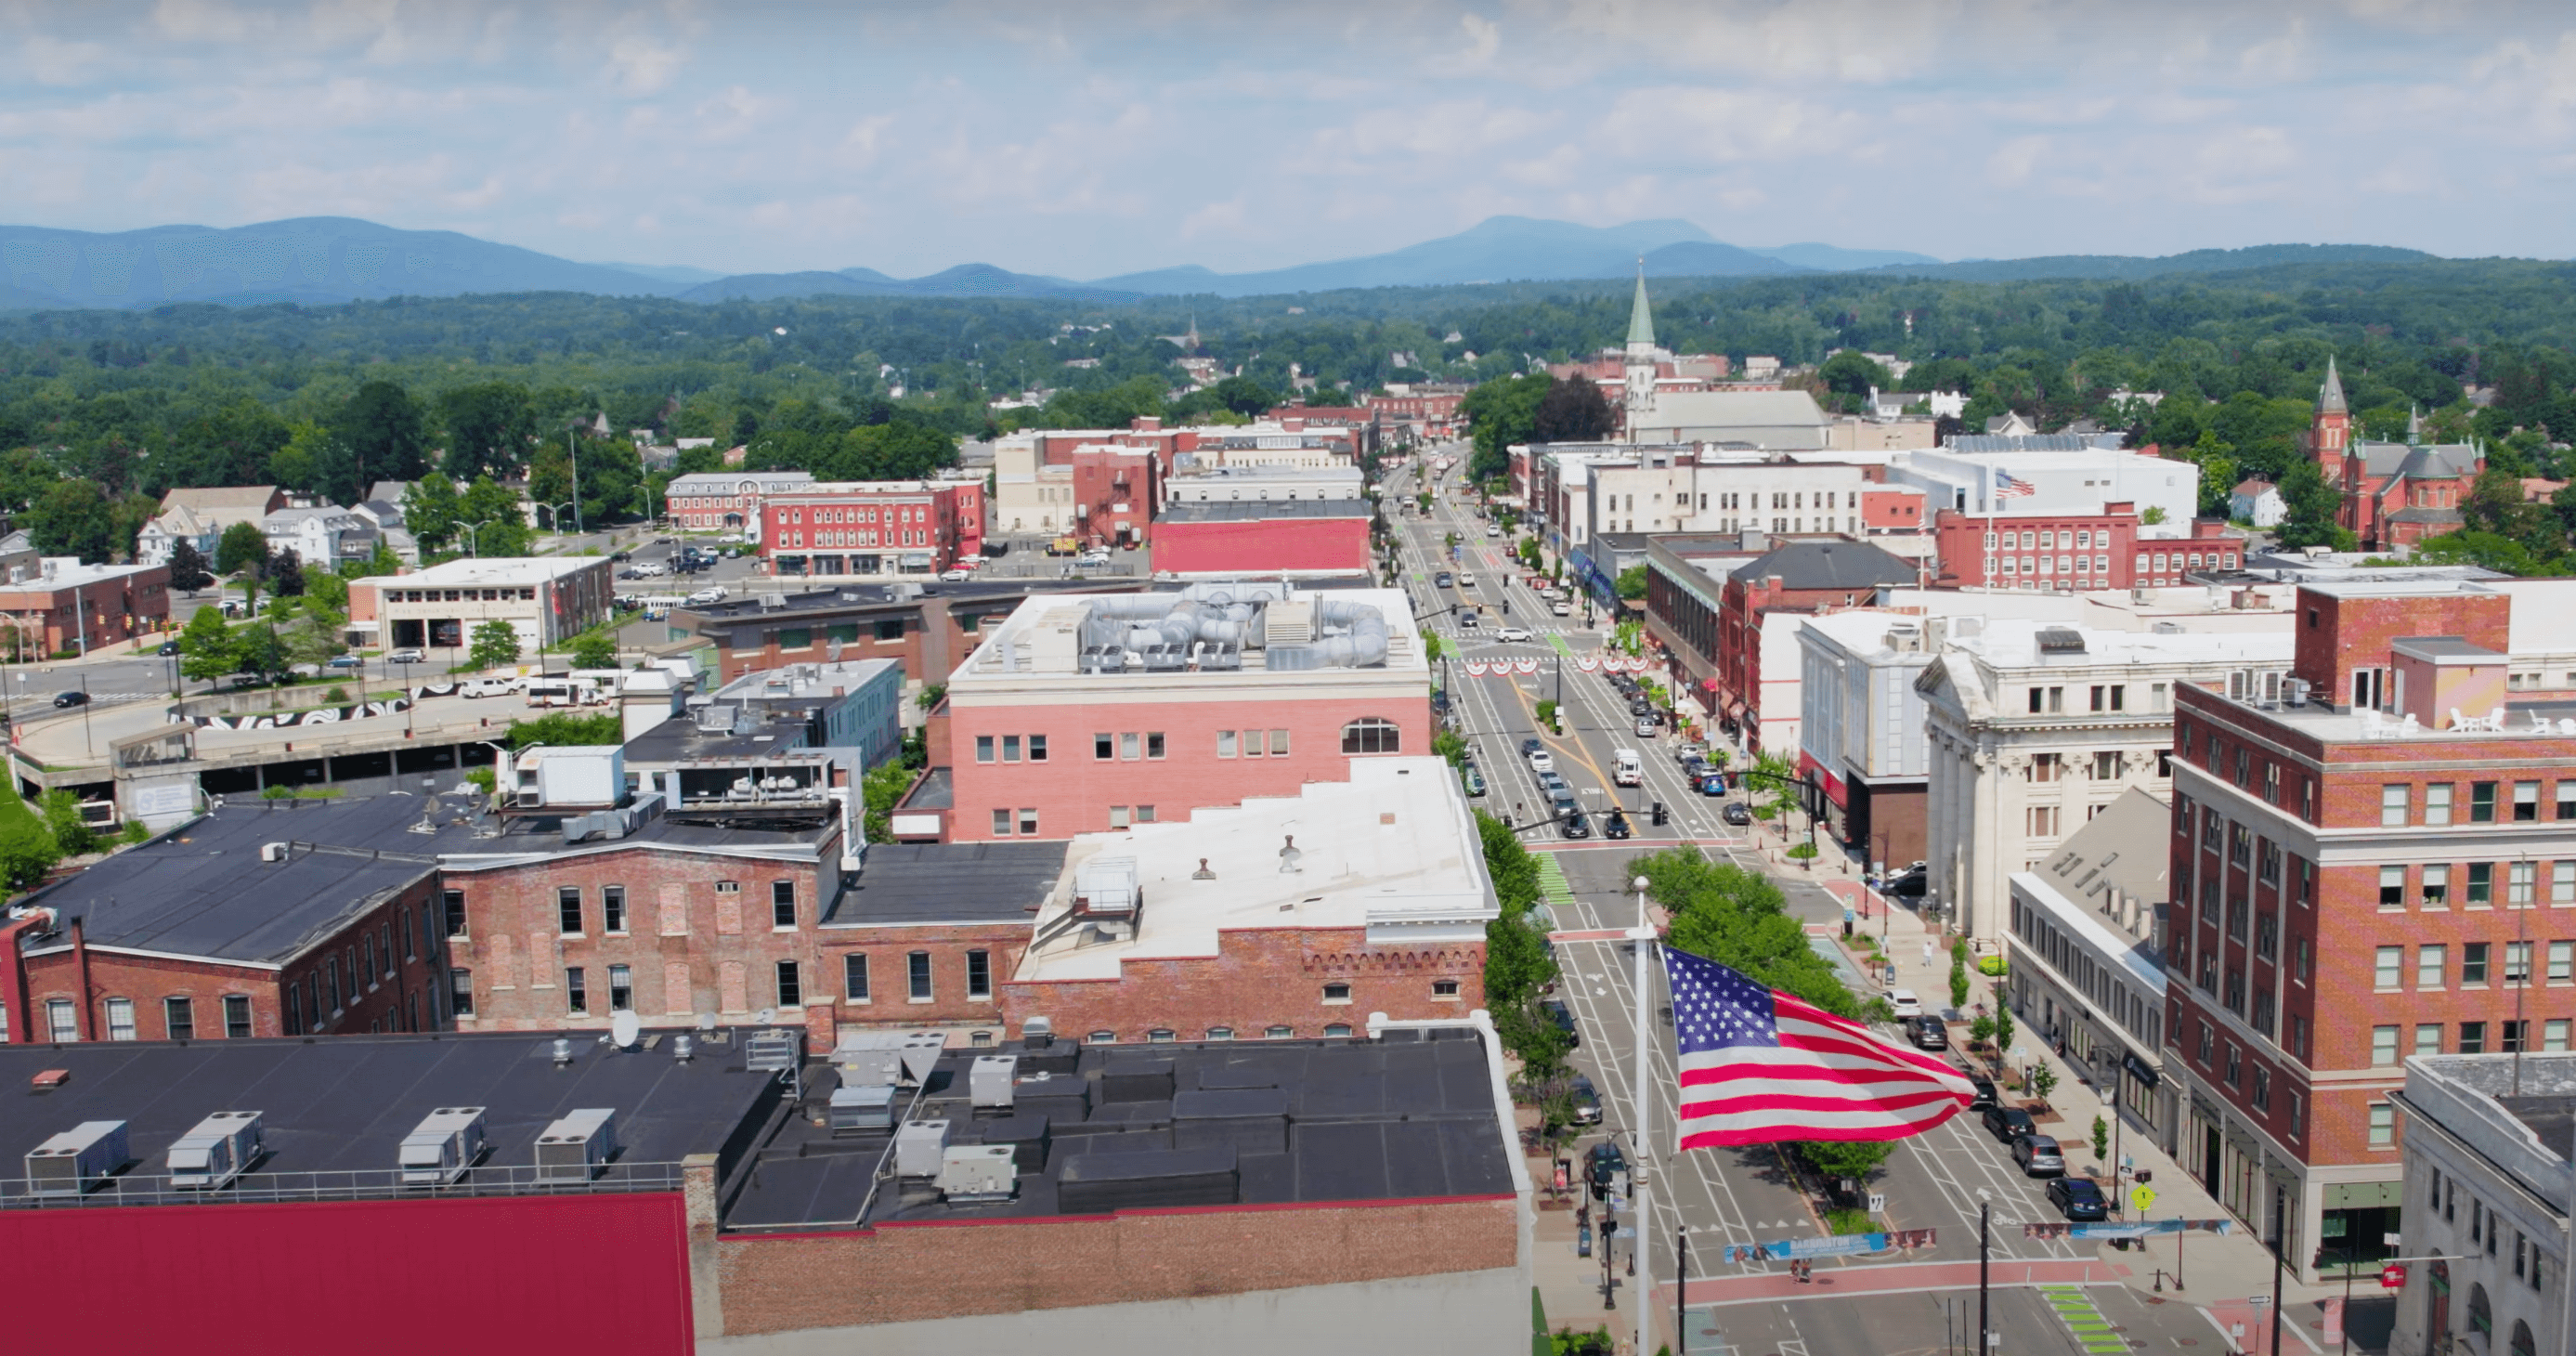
<point x="242" y="550"/>
<point x="381" y="433"/>
<point x="73" y="519"/>
<point x="495" y="645"/>
<point x="489" y="425"/>
<point x="189" y="569"/>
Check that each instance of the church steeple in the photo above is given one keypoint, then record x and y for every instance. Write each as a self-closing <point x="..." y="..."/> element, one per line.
<point x="1641" y="321"/>
<point x="2330" y="432"/>
<point x="2330" y="396"/>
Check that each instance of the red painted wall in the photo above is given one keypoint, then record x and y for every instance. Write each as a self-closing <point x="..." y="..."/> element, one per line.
<point x="433" y="1277"/>
<point x="1275" y="544"/>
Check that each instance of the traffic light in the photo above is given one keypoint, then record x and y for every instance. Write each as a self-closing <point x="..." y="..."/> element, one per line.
<point x="1662" y="816"/>
<point x="1507" y="606"/>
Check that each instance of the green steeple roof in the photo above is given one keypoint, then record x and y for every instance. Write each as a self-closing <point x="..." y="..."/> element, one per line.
<point x="1641" y="321"/>
<point x="2330" y="396"/>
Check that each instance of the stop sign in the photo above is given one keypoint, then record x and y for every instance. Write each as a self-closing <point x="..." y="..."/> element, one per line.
<point x="2392" y="1277"/>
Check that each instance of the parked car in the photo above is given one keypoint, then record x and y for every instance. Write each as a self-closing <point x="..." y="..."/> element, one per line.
<point x="1552" y="781"/>
<point x="1905" y="1003"/>
<point x="1927" y="1032"/>
<point x="1562" y="609"/>
<point x="406" y="656"/>
<point x="2008" y="1123"/>
<point x="1574" y="825"/>
<point x="62" y="699"/>
<point x="1984" y="1096"/>
<point x="1563" y="1016"/>
<point x="2039" y="1156"/>
<point x="1647" y="727"/>
<point x="347" y="661"/>
<point x="1472" y="779"/>
<point x="1683" y="753"/>
<point x="1532" y="745"/>
<point x="1907" y="886"/>
<point x="2077" y="1198"/>
<point x="704" y="596"/>
<point x="486" y="687"/>
<point x="1604" y="1168"/>
<point x="168" y="647"/>
<point x="1587" y="1101"/>
<point x="955" y="576"/>
<point x="1712" y="784"/>
<point x="1736" y="814"/>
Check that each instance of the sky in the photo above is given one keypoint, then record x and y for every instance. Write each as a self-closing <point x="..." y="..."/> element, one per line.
<point x="1086" y="139"/>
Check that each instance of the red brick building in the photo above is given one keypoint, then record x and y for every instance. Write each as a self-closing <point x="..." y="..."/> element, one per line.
<point x="2075" y="552"/>
<point x="1893" y="508"/>
<point x="873" y="527"/>
<point x="67" y="607"/>
<point x="931" y="633"/>
<point x="2357" y="877"/>
<point x="1794" y="577"/>
<point x="234" y="926"/>
<point x="2394" y="494"/>
<point x="1254" y="538"/>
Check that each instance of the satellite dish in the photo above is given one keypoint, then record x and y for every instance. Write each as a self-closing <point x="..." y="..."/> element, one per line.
<point x="623" y="1029"/>
<point x="707" y="1022"/>
<point x="766" y="1016"/>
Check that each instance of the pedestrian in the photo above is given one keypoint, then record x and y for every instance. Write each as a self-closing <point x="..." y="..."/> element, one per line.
<point x="1927" y="951"/>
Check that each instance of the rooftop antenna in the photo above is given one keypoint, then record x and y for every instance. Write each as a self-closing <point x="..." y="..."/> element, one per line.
<point x="1289" y="856"/>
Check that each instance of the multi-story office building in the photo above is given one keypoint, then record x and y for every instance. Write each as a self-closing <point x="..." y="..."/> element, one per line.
<point x="872" y="527"/>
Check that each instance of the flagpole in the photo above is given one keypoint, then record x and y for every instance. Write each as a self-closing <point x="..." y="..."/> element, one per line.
<point x="1643" y="937"/>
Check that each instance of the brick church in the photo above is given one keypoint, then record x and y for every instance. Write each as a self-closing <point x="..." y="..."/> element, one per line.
<point x="2394" y="494"/>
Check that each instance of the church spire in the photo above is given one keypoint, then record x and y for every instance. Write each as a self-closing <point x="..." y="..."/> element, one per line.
<point x="1641" y="321"/>
<point x="2330" y="396"/>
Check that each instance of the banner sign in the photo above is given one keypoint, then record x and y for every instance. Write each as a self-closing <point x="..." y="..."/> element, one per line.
<point x="2048" y="1229"/>
<point x="1840" y="1245"/>
<point x="273" y="720"/>
<point x="1475" y="668"/>
<point x="1589" y="663"/>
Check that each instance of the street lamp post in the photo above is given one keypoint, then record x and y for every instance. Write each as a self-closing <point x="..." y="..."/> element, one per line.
<point x="469" y="529"/>
<point x="555" y="513"/>
<point x="1641" y="940"/>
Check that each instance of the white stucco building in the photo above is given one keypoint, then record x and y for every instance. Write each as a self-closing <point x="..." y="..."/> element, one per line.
<point x="2034" y="728"/>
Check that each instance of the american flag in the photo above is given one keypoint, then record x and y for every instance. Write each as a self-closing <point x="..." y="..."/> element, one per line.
<point x="1758" y="1066"/>
<point x="2006" y="487"/>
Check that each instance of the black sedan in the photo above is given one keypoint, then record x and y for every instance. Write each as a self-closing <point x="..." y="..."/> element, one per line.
<point x="2077" y="1198"/>
<point x="1574" y="825"/>
<point x="1603" y="1167"/>
<point x="2007" y="1124"/>
<point x="1736" y="814"/>
<point x="168" y="647"/>
<point x="1614" y="826"/>
<point x="1908" y="886"/>
<point x="1563" y="1016"/>
<point x="62" y="699"/>
<point x="1984" y="1096"/>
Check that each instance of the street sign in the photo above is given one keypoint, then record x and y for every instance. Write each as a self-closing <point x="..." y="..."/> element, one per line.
<point x="2143" y="1197"/>
<point x="2258" y="1301"/>
<point x="1877" y="1202"/>
<point x="2392" y="1277"/>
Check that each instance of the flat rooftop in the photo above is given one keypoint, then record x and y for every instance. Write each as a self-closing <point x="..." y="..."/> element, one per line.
<point x="1393" y="850"/>
<point x="1216" y="1124"/>
<point x="914" y="883"/>
<point x="2014" y="642"/>
<point x="341" y="1105"/>
<point x="63" y="572"/>
<point x="491" y="572"/>
<point x="1241" y="628"/>
<point x="840" y="598"/>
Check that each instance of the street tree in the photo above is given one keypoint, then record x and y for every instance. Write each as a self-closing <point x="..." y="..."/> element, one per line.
<point x="206" y="646"/>
<point x="286" y="575"/>
<point x="1571" y="411"/>
<point x="594" y="650"/>
<point x="188" y="567"/>
<point x="74" y="519"/>
<point x="495" y="645"/>
<point x="242" y="550"/>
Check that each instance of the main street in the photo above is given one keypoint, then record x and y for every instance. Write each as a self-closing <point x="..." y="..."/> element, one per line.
<point x="1938" y="1181"/>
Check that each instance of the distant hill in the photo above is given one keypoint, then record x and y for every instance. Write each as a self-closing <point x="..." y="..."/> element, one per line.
<point x="677" y="275"/>
<point x="308" y="259"/>
<point x="1708" y="259"/>
<point x="965" y="280"/>
<point x="2123" y="266"/>
<point x="1835" y="259"/>
<point x="1497" y="249"/>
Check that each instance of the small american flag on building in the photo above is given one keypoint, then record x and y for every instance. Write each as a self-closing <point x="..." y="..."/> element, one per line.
<point x="2009" y="487"/>
<point x="1759" y="1066"/>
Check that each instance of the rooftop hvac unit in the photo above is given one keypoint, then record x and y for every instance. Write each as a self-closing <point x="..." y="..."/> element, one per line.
<point x="576" y="1147"/>
<point x="77" y="1159"/>
<point x="442" y="1147"/>
<point x="221" y="1148"/>
<point x="860" y="1108"/>
<point x="988" y="1081"/>
<point x="777" y="1050"/>
<point x="918" y="1148"/>
<point x="978" y="1172"/>
<point x="886" y="1057"/>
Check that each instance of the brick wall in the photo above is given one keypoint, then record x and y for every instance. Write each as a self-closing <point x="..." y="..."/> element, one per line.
<point x="1073" y="791"/>
<point x="1259" y="979"/>
<point x="888" y="999"/>
<point x="394" y="991"/>
<point x="1273" y="544"/>
<point x="2338" y="635"/>
<point x="908" y="1272"/>
<point x="688" y="947"/>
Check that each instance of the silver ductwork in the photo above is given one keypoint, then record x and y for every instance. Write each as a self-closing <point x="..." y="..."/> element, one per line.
<point x="1210" y="626"/>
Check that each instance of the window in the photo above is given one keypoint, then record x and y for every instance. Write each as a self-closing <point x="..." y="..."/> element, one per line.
<point x="2428" y="1038"/>
<point x="983" y="748"/>
<point x="1028" y="822"/>
<point x="782" y="904"/>
<point x="919" y="965"/>
<point x="2262" y="1094"/>
<point x="2043" y="768"/>
<point x="2517" y="1035"/>
<point x="1010" y="748"/>
<point x="2110" y="697"/>
<point x="621" y="989"/>
<point x="1161" y="1035"/>
<point x="2437" y="803"/>
<point x="2562" y="884"/>
<point x="1104" y="747"/>
<point x="62" y="1020"/>
<point x="791" y="986"/>
<point x="2235" y="1066"/>
<point x="1220" y="1033"/>
<point x="1119" y="816"/>
<point x="2473" y="963"/>
<point x="568" y="910"/>
<point x="2481" y="884"/>
<point x="2482" y="802"/>
<point x="979" y="975"/>
<point x="1337" y="992"/>
<point x="612" y="908"/>
<point x="2517" y="964"/>
<point x="2392" y="964"/>
<point x="1153" y="744"/>
<point x="1001" y="823"/>
<point x="1101" y="1038"/>
<point x="2567" y="797"/>
<point x="236" y="1017"/>
<point x="120" y="1019"/>
<point x="2437" y="887"/>
<point x="2204" y="1043"/>
<point x="2562" y="960"/>
<point x="1144" y="814"/>
<point x="1128" y="747"/>
<point x="1037" y="748"/>
<point x="2042" y="821"/>
<point x="576" y="990"/>
<point x="854" y="976"/>
<point x="2473" y="1038"/>
<point x="2383" y="1125"/>
<point x="2553" y="1035"/>
<point x="2518" y="880"/>
<point x="1278" y="1033"/>
<point x="1371" y="735"/>
<point x="2383" y="1045"/>
<point x="2430" y="963"/>
<point x="2526" y="802"/>
<point x="1444" y="988"/>
<point x="2106" y="766"/>
<point x="178" y="1018"/>
<point x="452" y="903"/>
<point x="2392" y="887"/>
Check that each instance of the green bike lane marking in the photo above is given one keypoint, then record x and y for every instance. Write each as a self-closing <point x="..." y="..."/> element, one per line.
<point x="2083" y="1320"/>
<point x="1552" y="883"/>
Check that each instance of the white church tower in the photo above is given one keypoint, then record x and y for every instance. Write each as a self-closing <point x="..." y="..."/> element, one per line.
<point x="1639" y="397"/>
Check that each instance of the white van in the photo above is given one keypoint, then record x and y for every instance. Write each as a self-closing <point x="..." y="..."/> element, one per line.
<point x="1629" y="769"/>
<point x="561" y="691"/>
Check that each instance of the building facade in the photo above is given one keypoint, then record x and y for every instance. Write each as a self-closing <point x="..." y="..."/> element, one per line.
<point x="726" y="501"/>
<point x="2488" y="1189"/>
<point x="872" y="528"/>
<point x="2085" y="946"/>
<point x="65" y="607"/>
<point x="547" y="599"/>
<point x="1228" y="538"/>
<point x="2394" y="494"/>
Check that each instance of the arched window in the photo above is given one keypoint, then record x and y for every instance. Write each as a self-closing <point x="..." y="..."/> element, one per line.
<point x="1220" y="1033"/>
<point x="1369" y="734"/>
<point x="1338" y="1029"/>
<point x="2481" y="1314"/>
<point x="2522" y="1342"/>
<point x="1101" y="1038"/>
<point x="1161" y="1035"/>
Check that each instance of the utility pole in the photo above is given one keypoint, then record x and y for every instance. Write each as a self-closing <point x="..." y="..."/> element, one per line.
<point x="1985" y="1215"/>
<point x="574" y="452"/>
<point x="1642" y="938"/>
<point x="1681" y="1290"/>
<point x="2280" y="1235"/>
